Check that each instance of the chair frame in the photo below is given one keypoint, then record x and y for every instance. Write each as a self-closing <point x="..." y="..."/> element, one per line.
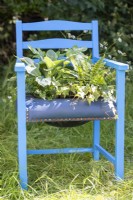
<point x="118" y="159"/>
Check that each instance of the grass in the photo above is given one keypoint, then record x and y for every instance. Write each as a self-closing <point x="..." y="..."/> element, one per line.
<point x="63" y="177"/>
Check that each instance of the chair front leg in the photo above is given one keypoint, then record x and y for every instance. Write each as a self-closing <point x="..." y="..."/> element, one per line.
<point x="119" y="151"/>
<point x="96" y="139"/>
<point x="22" y="153"/>
<point x="21" y="111"/>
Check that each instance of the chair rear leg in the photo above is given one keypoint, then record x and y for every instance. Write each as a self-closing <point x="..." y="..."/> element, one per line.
<point x="96" y="139"/>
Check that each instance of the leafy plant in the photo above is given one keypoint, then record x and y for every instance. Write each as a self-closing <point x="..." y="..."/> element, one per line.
<point x="68" y="74"/>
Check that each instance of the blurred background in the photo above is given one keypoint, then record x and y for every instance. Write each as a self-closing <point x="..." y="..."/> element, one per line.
<point x="115" y="23"/>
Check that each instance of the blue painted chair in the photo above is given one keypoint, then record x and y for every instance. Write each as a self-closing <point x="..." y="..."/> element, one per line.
<point x="27" y="107"/>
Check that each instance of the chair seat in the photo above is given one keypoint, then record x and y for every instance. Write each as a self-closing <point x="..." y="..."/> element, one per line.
<point x="68" y="110"/>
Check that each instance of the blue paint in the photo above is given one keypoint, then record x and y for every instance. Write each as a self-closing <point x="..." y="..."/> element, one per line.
<point x="60" y="151"/>
<point x="21" y="110"/>
<point x="58" y="25"/>
<point x="19" y="38"/>
<point x="96" y="138"/>
<point x="19" y="67"/>
<point x="113" y="64"/>
<point x="106" y="154"/>
<point x="56" y="43"/>
<point x="119" y="144"/>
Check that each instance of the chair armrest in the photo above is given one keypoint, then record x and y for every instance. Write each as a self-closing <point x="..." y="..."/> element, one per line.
<point x="19" y="67"/>
<point x="114" y="64"/>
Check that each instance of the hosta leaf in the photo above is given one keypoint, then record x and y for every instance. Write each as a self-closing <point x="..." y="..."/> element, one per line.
<point x="74" y="63"/>
<point x="58" y="62"/>
<point x="73" y="74"/>
<point x="28" y="61"/>
<point x="34" y="71"/>
<point x="38" y="53"/>
<point x="79" y="49"/>
<point x="66" y="63"/>
<point x="49" y="62"/>
<point x="33" y="50"/>
<point x="52" y="55"/>
<point x="83" y="49"/>
<point x="43" y="81"/>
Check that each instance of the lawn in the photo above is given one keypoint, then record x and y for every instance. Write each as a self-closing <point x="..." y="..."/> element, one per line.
<point x="63" y="177"/>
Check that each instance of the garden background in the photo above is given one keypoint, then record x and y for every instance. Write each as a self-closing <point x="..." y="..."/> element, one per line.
<point x="72" y="176"/>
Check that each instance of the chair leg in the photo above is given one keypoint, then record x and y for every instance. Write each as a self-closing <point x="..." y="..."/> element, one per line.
<point x="21" y="110"/>
<point x="119" y="144"/>
<point x="96" y="139"/>
<point x="119" y="150"/>
<point x="22" y="154"/>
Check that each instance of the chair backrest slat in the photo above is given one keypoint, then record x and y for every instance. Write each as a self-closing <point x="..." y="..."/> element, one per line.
<point x="55" y="43"/>
<point x="56" y="25"/>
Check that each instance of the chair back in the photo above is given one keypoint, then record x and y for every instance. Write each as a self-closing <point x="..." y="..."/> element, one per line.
<point x="56" y="43"/>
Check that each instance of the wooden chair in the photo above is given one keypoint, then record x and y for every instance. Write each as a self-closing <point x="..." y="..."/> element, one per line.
<point x="23" y="110"/>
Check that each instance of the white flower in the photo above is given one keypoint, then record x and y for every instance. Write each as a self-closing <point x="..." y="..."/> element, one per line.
<point x="119" y="39"/>
<point x="69" y="35"/>
<point x="120" y="52"/>
<point x="101" y="45"/>
<point x="85" y="31"/>
<point x="46" y="18"/>
<point x="110" y="56"/>
<point x="73" y="36"/>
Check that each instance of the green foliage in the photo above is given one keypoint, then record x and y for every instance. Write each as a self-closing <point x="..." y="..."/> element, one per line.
<point x="115" y="18"/>
<point x="72" y="76"/>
